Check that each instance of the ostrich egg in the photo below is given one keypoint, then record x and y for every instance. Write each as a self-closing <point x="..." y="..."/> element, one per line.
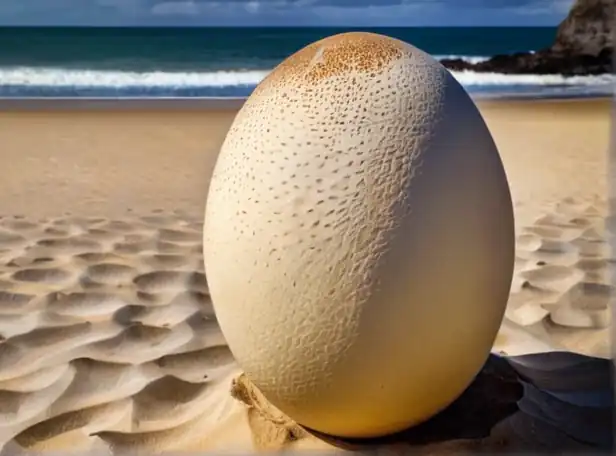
<point x="359" y="237"/>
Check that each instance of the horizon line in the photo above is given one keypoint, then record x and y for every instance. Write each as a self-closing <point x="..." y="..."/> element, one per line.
<point x="250" y="26"/>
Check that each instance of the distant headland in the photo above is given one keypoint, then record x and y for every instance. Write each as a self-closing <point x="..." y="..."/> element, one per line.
<point x="584" y="45"/>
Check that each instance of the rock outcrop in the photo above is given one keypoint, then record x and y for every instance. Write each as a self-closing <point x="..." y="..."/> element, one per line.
<point x="584" y="45"/>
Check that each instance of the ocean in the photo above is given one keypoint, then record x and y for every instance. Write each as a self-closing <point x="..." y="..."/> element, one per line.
<point x="230" y="62"/>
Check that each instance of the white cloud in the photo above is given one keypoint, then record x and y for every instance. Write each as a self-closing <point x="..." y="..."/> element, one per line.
<point x="253" y="7"/>
<point x="181" y="8"/>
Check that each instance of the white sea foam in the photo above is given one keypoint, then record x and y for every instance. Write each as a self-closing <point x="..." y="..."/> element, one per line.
<point x="468" y="58"/>
<point x="59" y="77"/>
<point x="70" y="78"/>
<point x="471" y="78"/>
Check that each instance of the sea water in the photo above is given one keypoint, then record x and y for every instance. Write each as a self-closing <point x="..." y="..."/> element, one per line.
<point x="230" y="62"/>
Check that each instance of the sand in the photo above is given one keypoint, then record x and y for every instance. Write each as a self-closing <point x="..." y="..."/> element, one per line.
<point x="108" y="340"/>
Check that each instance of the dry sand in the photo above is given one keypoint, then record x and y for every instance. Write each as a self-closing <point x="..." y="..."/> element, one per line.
<point x="107" y="335"/>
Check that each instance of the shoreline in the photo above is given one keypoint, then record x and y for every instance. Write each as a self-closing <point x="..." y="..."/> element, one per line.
<point x="219" y="103"/>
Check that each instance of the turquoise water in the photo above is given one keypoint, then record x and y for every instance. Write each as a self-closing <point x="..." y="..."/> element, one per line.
<point x="229" y="62"/>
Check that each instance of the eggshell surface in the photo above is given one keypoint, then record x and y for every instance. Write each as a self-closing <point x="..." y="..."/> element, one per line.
<point x="359" y="237"/>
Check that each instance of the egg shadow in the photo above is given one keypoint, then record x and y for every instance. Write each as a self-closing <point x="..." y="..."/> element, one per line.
<point x="548" y="402"/>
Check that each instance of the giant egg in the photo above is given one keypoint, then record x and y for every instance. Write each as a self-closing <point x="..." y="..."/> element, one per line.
<point x="359" y="237"/>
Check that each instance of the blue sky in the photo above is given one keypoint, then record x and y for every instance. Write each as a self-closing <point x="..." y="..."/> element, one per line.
<point x="284" y="12"/>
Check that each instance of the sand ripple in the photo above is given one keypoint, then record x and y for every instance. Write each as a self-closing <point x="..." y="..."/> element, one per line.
<point x="562" y="277"/>
<point x="171" y="281"/>
<point x="107" y="334"/>
<point x="108" y="338"/>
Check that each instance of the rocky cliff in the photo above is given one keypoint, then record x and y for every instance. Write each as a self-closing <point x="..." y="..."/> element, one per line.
<point x="584" y="44"/>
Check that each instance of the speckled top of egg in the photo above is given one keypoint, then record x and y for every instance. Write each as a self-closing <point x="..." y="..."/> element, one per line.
<point x="358" y="237"/>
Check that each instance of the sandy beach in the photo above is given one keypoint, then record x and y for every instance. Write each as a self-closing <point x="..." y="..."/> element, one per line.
<point x="108" y="340"/>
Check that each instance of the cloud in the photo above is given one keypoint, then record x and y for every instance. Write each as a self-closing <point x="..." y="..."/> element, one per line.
<point x="253" y="7"/>
<point x="284" y="12"/>
<point x="182" y="8"/>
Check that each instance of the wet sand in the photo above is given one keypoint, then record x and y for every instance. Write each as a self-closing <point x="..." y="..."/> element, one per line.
<point x="107" y="335"/>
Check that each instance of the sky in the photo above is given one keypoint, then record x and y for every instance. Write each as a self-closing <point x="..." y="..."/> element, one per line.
<point x="359" y="13"/>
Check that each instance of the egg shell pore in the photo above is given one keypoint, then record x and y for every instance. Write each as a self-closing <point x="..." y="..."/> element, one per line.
<point x="359" y="237"/>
